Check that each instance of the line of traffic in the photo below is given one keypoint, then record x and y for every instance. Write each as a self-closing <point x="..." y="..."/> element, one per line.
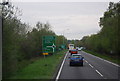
<point x="94" y="68"/>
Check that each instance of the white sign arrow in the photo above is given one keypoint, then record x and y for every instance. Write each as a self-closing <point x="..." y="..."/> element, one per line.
<point x="52" y="47"/>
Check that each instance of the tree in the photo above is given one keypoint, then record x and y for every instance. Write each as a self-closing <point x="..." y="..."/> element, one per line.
<point x="106" y="41"/>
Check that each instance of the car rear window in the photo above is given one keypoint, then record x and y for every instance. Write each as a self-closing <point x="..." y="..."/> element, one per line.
<point x="73" y="50"/>
<point x="76" y="56"/>
<point x="71" y="45"/>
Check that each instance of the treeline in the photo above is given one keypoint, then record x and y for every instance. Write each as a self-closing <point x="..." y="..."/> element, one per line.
<point x="76" y="42"/>
<point x="19" y="43"/>
<point x="106" y="41"/>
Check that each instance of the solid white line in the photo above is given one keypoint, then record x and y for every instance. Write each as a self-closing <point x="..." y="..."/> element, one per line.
<point x="91" y="65"/>
<point x="99" y="73"/>
<point x="112" y="63"/>
<point x="61" y="67"/>
<point x="103" y="59"/>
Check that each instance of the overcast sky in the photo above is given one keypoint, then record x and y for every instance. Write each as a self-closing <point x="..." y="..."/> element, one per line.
<point x="73" y="19"/>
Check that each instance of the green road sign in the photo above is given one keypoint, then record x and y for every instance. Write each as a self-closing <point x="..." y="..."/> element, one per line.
<point x="48" y="44"/>
<point x="63" y="46"/>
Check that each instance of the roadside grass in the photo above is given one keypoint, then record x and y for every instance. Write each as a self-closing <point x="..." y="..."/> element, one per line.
<point x="114" y="59"/>
<point x="43" y="68"/>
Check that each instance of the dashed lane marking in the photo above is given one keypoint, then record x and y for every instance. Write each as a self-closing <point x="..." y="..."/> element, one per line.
<point x="99" y="73"/>
<point x="91" y="65"/>
<point x="86" y="61"/>
<point x="95" y="69"/>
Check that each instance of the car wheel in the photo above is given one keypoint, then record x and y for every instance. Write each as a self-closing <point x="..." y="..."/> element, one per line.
<point x="70" y="64"/>
<point x="81" y="64"/>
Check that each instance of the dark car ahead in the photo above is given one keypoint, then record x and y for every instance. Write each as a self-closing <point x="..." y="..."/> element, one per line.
<point x="76" y="59"/>
<point x="74" y="51"/>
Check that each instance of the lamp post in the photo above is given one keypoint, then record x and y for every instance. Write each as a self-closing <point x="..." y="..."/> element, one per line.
<point x="1" y="7"/>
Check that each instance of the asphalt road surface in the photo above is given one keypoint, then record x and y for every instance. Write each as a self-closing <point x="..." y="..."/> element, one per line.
<point x="93" y="68"/>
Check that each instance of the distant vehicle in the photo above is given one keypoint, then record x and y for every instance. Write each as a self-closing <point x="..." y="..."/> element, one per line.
<point x="77" y="48"/>
<point x="70" y="47"/>
<point x="81" y="48"/>
<point x="76" y="59"/>
<point x="74" y="51"/>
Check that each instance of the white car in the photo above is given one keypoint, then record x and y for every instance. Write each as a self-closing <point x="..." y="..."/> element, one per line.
<point x="79" y="49"/>
<point x="71" y="47"/>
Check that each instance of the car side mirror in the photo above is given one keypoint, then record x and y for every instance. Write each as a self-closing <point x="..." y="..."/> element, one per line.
<point x="82" y="57"/>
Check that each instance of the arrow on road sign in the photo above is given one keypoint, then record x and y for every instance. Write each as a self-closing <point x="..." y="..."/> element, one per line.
<point x="52" y="47"/>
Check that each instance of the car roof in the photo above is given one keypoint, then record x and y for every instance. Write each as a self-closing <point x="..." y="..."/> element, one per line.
<point x="76" y="54"/>
<point x="74" y="50"/>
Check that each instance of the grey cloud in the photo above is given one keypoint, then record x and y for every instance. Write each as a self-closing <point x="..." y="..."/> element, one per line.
<point x="81" y="17"/>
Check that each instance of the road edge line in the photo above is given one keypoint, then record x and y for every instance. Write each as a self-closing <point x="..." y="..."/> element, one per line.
<point x="59" y="72"/>
<point x="103" y="59"/>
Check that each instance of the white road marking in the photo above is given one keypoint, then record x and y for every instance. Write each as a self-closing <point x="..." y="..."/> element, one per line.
<point x="86" y="61"/>
<point x="99" y="73"/>
<point x="103" y="59"/>
<point x="95" y="69"/>
<point x="61" y="67"/>
<point x="112" y="63"/>
<point x="91" y="65"/>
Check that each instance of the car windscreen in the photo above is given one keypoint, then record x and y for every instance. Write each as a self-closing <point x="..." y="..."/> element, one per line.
<point x="76" y="56"/>
<point x="72" y="45"/>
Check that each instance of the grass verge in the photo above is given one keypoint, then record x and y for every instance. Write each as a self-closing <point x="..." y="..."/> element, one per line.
<point x="114" y="59"/>
<point x="43" y="68"/>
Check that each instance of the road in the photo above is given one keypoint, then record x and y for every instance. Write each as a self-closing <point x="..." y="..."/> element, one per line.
<point x="93" y="68"/>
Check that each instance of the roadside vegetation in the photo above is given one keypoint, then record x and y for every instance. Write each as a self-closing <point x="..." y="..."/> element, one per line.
<point x="22" y="43"/>
<point x="114" y="59"/>
<point x="106" y="42"/>
<point x="43" y="68"/>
